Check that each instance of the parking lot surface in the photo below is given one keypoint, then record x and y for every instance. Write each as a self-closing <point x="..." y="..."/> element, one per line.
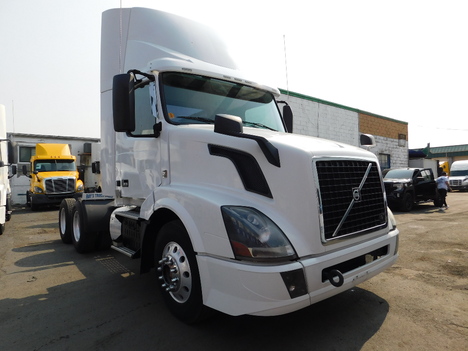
<point x="52" y="298"/>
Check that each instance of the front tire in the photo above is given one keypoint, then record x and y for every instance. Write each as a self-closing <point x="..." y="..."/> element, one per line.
<point x="66" y="220"/>
<point x="32" y="203"/>
<point x="407" y="203"/>
<point x="178" y="273"/>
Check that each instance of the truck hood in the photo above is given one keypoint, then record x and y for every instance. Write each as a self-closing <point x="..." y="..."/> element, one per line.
<point x="57" y="174"/>
<point x="397" y="180"/>
<point x="236" y="172"/>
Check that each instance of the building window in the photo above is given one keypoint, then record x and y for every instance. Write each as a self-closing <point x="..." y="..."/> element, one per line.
<point x="384" y="160"/>
<point x="25" y="153"/>
<point x="402" y="140"/>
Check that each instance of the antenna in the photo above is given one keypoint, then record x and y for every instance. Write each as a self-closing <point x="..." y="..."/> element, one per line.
<point x="286" y="63"/>
<point x="13" y="113"/>
<point x="120" y="40"/>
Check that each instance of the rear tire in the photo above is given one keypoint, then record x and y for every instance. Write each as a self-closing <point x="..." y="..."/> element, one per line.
<point x="66" y="220"/>
<point x="83" y="239"/>
<point x="178" y="273"/>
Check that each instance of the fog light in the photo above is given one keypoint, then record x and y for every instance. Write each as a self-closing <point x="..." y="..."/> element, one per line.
<point x="295" y="283"/>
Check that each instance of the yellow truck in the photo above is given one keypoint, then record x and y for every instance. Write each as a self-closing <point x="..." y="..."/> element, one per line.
<point x="54" y="176"/>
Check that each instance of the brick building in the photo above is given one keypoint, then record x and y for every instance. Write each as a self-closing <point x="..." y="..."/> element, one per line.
<point x="328" y="120"/>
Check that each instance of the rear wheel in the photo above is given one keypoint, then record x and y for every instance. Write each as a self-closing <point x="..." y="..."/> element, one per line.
<point x="178" y="273"/>
<point x="66" y="220"/>
<point x="83" y="239"/>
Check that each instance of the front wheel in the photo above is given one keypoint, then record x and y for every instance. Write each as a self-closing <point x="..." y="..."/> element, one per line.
<point x="178" y="273"/>
<point x="407" y="203"/>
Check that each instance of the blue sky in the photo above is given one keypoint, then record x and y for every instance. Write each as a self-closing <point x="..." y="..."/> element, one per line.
<point x="405" y="60"/>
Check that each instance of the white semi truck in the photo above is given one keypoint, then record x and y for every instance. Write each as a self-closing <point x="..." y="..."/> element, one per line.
<point x="203" y="183"/>
<point x="5" y="189"/>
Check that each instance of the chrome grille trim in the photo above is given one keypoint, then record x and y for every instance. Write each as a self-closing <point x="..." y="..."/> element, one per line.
<point x="351" y="196"/>
<point x="59" y="185"/>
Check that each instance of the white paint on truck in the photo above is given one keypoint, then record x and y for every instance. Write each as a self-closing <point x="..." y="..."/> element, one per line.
<point x="202" y="183"/>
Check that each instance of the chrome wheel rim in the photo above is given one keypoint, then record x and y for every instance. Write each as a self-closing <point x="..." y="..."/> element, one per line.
<point x="63" y="221"/>
<point x="175" y="274"/>
<point x="76" y="226"/>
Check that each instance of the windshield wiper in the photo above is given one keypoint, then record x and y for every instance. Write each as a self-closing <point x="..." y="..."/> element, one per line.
<point x="199" y="119"/>
<point x="259" y="125"/>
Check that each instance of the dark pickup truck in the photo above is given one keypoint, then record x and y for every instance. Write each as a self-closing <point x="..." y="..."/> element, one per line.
<point x="406" y="186"/>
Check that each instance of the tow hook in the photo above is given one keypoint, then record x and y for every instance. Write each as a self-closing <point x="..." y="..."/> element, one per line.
<point x="335" y="277"/>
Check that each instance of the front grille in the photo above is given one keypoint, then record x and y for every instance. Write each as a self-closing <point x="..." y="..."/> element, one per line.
<point x="60" y="185"/>
<point x="389" y="187"/>
<point x="455" y="182"/>
<point x="351" y="196"/>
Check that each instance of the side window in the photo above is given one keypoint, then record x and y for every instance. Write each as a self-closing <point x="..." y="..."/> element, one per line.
<point x="25" y="153"/>
<point x="426" y="175"/>
<point x="144" y="119"/>
<point x="384" y="160"/>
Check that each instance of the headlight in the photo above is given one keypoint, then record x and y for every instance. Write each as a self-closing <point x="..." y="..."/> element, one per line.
<point x="398" y="186"/>
<point x="38" y="190"/>
<point x="79" y="187"/>
<point x="254" y="236"/>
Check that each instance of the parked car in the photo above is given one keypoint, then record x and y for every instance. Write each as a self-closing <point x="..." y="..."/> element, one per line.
<point x="407" y="186"/>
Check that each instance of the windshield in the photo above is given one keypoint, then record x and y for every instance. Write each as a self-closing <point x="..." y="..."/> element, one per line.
<point x="54" y="165"/>
<point x="461" y="172"/>
<point x="192" y="99"/>
<point x="399" y="174"/>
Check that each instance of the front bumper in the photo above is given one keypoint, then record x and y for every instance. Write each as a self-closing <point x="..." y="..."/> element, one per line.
<point x="55" y="199"/>
<point x="395" y="198"/>
<point x="238" y="288"/>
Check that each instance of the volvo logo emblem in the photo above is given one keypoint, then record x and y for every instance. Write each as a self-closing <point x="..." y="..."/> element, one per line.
<point x="357" y="194"/>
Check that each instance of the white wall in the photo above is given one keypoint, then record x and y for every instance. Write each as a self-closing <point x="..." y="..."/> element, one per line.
<point x="339" y="124"/>
<point x="324" y="121"/>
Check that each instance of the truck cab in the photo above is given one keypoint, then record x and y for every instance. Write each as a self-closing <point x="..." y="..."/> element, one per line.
<point x="459" y="175"/>
<point x="54" y="176"/>
<point x="204" y="183"/>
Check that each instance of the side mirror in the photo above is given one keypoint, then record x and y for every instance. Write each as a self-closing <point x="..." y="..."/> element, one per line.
<point x="2" y="164"/>
<point x="228" y="124"/>
<point x="288" y="118"/>
<point x="26" y="171"/>
<point x="13" y="171"/>
<point x="367" y="140"/>
<point x="96" y="167"/>
<point x="123" y="103"/>
<point x="10" y="152"/>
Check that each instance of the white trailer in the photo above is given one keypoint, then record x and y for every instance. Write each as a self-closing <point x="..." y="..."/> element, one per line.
<point x="5" y="190"/>
<point x="203" y="183"/>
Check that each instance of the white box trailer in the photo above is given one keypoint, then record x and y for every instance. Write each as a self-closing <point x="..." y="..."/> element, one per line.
<point x="203" y="183"/>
